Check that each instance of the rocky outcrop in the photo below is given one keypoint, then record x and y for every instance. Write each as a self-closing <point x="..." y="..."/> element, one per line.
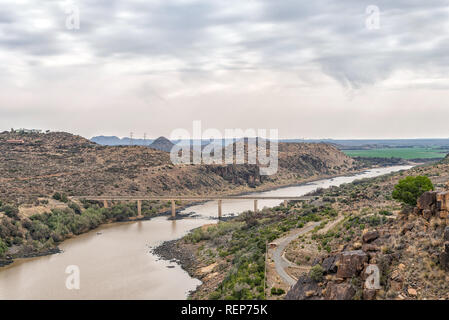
<point x="238" y="174"/>
<point x="432" y="203"/>
<point x="304" y="289"/>
<point x="339" y="291"/>
<point x="350" y="263"/>
<point x="370" y="236"/>
<point x="444" y="257"/>
<point x="329" y="264"/>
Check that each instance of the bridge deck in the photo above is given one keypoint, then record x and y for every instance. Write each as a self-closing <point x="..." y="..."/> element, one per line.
<point x="189" y="198"/>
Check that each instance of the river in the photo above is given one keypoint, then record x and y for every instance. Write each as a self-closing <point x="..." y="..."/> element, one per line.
<point x="115" y="260"/>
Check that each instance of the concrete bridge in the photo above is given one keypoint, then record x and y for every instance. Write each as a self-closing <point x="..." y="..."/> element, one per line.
<point x="173" y="200"/>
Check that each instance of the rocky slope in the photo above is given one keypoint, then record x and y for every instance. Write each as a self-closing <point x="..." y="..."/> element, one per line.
<point x="408" y="246"/>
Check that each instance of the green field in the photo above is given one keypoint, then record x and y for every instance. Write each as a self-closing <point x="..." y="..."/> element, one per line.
<point x="404" y="153"/>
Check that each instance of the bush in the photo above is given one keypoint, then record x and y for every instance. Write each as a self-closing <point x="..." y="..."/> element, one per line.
<point x="11" y="211"/>
<point x="409" y="189"/>
<point x="3" y="248"/>
<point x="76" y="208"/>
<point x="277" y="291"/>
<point x="57" y="196"/>
<point x="316" y="273"/>
<point x="60" y="197"/>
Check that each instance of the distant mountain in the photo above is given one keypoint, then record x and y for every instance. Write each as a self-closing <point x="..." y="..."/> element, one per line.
<point x="162" y="144"/>
<point x="116" y="141"/>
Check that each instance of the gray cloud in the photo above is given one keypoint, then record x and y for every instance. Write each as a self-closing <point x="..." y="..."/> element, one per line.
<point x="167" y="48"/>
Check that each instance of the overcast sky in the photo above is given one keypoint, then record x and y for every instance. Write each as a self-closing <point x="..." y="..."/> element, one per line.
<point x="312" y="69"/>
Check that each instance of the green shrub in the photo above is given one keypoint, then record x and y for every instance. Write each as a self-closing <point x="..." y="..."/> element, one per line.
<point x="57" y="196"/>
<point x="316" y="273"/>
<point x="3" y="248"/>
<point x="409" y="189"/>
<point x="277" y="291"/>
<point x="10" y="211"/>
<point x="76" y="208"/>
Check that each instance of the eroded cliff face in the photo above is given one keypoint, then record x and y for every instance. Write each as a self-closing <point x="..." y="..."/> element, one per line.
<point x="46" y="163"/>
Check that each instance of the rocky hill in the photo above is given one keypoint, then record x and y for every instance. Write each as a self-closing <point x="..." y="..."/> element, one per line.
<point x="42" y="164"/>
<point x="162" y="144"/>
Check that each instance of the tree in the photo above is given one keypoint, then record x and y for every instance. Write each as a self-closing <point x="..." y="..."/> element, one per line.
<point x="409" y="189"/>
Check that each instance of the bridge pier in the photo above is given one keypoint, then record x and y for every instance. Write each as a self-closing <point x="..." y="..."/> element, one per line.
<point x="173" y="209"/>
<point x="105" y="204"/>
<point x="255" y="206"/>
<point x="139" y="209"/>
<point x="285" y="203"/>
<point x="219" y="209"/>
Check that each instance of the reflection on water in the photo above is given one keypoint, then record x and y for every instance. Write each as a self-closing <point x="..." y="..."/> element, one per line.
<point x="115" y="260"/>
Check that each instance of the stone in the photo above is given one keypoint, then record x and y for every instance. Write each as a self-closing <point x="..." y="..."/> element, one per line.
<point x="446" y="234"/>
<point x="369" y="294"/>
<point x="329" y="264"/>
<point x="444" y="214"/>
<point x="357" y="246"/>
<point x="444" y="260"/>
<point x="427" y="214"/>
<point x="342" y="291"/>
<point x="427" y="201"/>
<point x="370" y="236"/>
<point x="407" y="227"/>
<point x="395" y="275"/>
<point x="396" y="285"/>
<point x="412" y="292"/>
<point x="369" y="247"/>
<point x="442" y="199"/>
<point x="310" y="293"/>
<point x="350" y="263"/>
<point x="302" y="290"/>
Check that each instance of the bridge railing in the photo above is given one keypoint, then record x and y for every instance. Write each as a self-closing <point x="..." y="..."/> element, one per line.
<point x="173" y="200"/>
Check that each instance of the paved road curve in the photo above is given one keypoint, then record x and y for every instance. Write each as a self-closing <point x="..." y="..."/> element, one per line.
<point x="279" y="261"/>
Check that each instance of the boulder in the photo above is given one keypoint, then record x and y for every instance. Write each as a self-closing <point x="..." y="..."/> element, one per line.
<point x="427" y="214"/>
<point x="427" y="201"/>
<point x="304" y="289"/>
<point x="444" y="257"/>
<point x="444" y="260"/>
<point x="446" y="234"/>
<point x="396" y="285"/>
<point x="412" y="292"/>
<point x="370" y="236"/>
<point x="442" y="200"/>
<point x="329" y="264"/>
<point x="339" y="291"/>
<point x="408" y="227"/>
<point x="369" y="294"/>
<point x="350" y="263"/>
<point x="367" y="247"/>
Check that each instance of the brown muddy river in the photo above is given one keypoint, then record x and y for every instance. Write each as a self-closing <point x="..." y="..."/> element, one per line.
<point x="115" y="260"/>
